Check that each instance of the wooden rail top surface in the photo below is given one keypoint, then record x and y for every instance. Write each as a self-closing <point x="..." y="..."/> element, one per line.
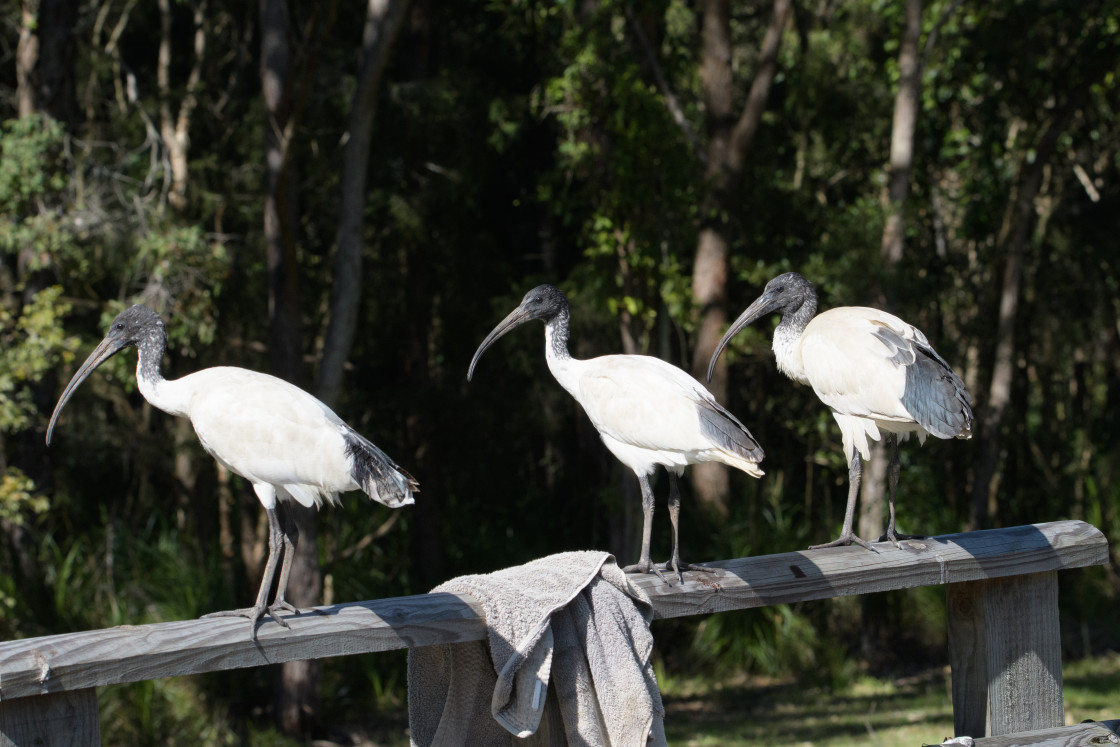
<point x="1090" y="734"/>
<point x="74" y="661"/>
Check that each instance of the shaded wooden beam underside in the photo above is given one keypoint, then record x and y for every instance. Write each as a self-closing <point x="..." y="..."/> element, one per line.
<point x="74" y="661"/>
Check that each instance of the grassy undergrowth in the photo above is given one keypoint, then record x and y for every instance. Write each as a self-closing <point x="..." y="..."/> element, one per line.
<point x="908" y="711"/>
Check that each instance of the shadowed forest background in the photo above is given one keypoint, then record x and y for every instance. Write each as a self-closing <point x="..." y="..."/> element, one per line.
<point x="350" y="196"/>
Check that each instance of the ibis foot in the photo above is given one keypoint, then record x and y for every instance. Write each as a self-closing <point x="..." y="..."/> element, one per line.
<point x="895" y="538"/>
<point x="845" y="539"/>
<point x="282" y="605"/>
<point x="254" y="614"/>
<point x="646" y="566"/>
<point x="679" y="568"/>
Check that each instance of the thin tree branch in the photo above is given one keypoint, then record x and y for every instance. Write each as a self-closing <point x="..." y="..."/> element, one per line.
<point x="745" y="129"/>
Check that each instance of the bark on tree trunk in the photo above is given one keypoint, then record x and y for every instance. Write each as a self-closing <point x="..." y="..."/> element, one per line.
<point x="1015" y="237"/>
<point x="384" y="19"/>
<point x="902" y="133"/>
<point x="986" y="484"/>
<point x="873" y="486"/>
<point x="873" y="499"/>
<point x="175" y="127"/>
<point x="729" y="142"/>
<point x="280" y="201"/>
<point x="297" y="690"/>
<point x="45" y="60"/>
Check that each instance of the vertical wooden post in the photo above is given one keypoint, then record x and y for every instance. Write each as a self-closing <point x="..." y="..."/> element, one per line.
<point x="968" y="658"/>
<point x="55" y="719"/>
<point x="1005" y="652"/>
<point x="551" y="732"/>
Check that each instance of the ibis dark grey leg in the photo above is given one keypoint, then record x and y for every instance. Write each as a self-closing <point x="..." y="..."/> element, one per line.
<point x="256" y="612"/>
<point x="290" y="529"/>
<point x="847" y="537"/>
<point x="675" y="565"/>
<point x="644" y="564"/>
<point x="893" y="469"/>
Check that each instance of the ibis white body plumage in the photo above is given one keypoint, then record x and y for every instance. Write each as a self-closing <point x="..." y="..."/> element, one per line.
<point x="877" y="373"/>
<point x="284" y="441"/>
<point x="648" y="412"/>
<point x="274" y="434"/>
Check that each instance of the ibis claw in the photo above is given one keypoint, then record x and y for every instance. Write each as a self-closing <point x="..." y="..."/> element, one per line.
<point x="254" y="614"/>
<point x="845" y="539"/>
<point x="282" y="605"/>
<point x="679" y="568"/>
<point x="646" y="567"/>
<point x="895" y="538"/>
<point x="275" y="618"/>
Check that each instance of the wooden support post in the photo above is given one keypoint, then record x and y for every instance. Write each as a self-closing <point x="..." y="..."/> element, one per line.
<point x="968" y="658"/>
<point x="1005" y="653"/>
<point x="58" y="719"/>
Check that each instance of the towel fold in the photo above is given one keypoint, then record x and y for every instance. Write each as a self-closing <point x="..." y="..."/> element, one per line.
<point x="571" y="619"/>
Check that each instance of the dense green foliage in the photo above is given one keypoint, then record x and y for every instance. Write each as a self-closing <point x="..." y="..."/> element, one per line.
<point x="517" y="143"/>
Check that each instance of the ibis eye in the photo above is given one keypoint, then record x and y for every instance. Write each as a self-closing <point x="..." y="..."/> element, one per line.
<point x="120" y="325"/>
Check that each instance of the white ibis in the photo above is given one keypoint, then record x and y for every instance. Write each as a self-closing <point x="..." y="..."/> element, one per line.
<point x="876" y="372"/>
<point x="288" y="444"/>
<point x="648" y="413"/>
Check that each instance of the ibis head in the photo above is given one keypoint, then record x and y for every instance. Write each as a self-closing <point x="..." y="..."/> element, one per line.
<point x="545" y="302"/>
<point x="132" y="328"/>
<point x="786" y="294"/>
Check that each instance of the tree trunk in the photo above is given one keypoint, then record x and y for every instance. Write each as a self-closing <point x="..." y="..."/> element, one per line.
<point x="280" y="209"/>
<point x="902" y="133"/>
<point x="45" y="60"/>
<point x="872" y="499"/>
<point x="729" y="142"/>
<point x="1014" y="237"/>
<point x="986" y="484"/>
<point x="175" y="127"/>
<point x="383" y="23"/>
<point x="297" y="689"/>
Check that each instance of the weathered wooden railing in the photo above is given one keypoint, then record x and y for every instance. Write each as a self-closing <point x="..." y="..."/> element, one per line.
<point x="1002" y="585"/>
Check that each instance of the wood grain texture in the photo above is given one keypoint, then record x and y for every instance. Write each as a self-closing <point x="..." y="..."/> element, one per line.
<point x="1024" y="652"/>
<point x="66" y="719"/>
<point x="132" y="653"/>
<point x="968" y="658"/>
<point x="1005" y="654"/>
<point x="1095" y="734"/>
<point x="844" y="571"/>
<point x="72" y="661"/>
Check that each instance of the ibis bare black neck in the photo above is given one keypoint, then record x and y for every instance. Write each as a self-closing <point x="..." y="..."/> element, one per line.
<point x="795" y="320"/>
<point x="150" y="349"/>
<point x="557" y="330"/>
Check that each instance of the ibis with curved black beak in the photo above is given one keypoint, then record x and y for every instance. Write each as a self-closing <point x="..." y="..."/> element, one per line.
<point x="285" y="442"/>
<point x="648" y="413"/>
<point x="879" y="375"/>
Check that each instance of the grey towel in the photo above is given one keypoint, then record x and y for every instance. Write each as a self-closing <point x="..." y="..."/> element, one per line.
<point x="572" y="618"/>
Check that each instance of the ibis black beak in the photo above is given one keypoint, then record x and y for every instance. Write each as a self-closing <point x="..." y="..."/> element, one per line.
<point x="762" y="306"/>
<point x="105" y="350"/>
<point x="516" y="318"/>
